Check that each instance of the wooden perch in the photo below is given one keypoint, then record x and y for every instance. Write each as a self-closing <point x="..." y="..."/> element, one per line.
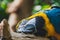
<point x="9" y="35"/>
<point x="6" y="33"/>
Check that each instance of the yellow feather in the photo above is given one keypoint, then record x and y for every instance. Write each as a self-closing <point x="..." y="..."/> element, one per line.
<point x="48" y="24"/>
<point x="49" y="27"/>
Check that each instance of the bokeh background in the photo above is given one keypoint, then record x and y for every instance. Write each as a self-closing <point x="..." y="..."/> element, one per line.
<point x="38" y="5"/>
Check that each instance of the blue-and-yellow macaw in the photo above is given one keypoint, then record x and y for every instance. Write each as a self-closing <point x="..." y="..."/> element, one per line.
<point x="45" y="23"/>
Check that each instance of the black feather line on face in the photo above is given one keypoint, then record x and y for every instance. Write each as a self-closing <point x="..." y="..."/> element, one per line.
<point x="55" y="7"/>
<point x="40" y="24"/>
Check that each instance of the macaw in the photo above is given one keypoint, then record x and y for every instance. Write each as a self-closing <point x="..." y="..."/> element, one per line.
<point x="45" y="23"/>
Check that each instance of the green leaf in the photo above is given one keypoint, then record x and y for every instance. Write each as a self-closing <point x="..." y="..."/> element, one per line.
<point x="4" y="4"/>
<point x="45" y="7"/>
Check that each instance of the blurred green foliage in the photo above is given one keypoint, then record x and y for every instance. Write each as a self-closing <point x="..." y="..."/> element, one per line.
<point x="43" y="5"/>
<point x="56" y="2"/>
<point x="38" y="5"/>
<point x="3" y="6"/>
